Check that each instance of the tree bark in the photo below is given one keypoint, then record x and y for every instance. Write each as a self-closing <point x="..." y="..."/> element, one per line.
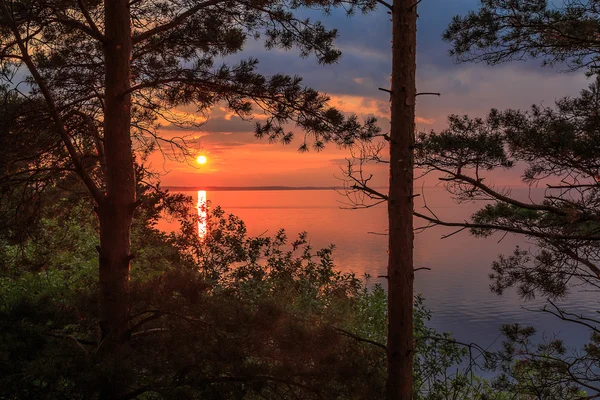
<point x="115" y="211"/>
<point x="400" y="342"/>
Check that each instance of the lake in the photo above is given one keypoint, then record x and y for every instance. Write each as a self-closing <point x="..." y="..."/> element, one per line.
<point x="456" y="289"/>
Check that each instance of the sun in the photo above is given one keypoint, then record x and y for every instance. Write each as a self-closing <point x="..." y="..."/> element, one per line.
<point x="201" y="160"/>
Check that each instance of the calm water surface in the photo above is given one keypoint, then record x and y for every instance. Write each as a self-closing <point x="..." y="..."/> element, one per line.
<point x="456" y="288"/>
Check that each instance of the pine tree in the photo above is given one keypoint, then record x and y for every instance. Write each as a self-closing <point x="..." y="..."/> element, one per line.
<point x="110" y="71"/>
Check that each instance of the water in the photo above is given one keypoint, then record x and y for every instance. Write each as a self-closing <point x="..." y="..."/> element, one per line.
<point x="456" y="288"/>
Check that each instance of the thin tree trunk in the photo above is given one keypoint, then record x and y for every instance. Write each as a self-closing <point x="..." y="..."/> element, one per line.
<point x="400" y="343"/>
<point x="116" y="210"/>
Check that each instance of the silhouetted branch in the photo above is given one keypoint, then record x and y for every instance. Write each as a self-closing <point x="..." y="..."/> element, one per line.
<point x="94" y="28"/>
<point x="570" y="317"/>
<point x="174" y="22"/>
<point x="49" y="98"/>
<point x="543" y="235"/>
<point x="360" y="339"/>
<point x="94" y="33"/>
<point x="470" y="346"/>
<point x="593" y="267"/>
<point x="497" y="195"/>
<point x="370" y="191"/>
<point x="386" y="4"/>
<point x="415" y="4"/>
<point x="453" y="233"/>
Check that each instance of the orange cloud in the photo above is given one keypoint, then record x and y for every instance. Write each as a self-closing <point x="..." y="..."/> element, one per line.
<point x="361" y="105"/>
<point x="426" y="121"/>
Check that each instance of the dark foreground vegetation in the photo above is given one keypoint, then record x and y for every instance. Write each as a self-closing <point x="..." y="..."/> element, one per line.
<point x="224" y="317"/>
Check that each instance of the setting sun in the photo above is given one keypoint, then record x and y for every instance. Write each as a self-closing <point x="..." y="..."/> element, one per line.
<point x="201" y="160"/>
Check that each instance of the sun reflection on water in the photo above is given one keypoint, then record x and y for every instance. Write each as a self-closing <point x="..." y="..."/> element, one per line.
<point x="202" y="213"/>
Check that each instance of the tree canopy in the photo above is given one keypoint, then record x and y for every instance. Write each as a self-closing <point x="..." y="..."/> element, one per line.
<point x="555" y="151"/>
<point x="565" y="34"/>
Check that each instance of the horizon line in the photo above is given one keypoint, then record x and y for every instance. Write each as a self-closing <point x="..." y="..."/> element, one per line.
<point x="276" y="187"/>
<point x="250" y="188"/>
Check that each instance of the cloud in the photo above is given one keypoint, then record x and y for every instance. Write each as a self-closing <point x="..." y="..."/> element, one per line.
<point x="426" y="121"/>
<point x="233" y="124"/>
<point x="364" y="106"/>
<point x="222" y="148"/>
<point x="353" y="82"/>
<point x="475" y="89"/>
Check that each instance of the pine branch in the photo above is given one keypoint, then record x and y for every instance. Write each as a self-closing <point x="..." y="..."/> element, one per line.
<point x="174" y="22"/>
<point x="497" y="195"/>
<point x="360" y="339"/>
<point x="50" y="102"/>
<point x="94" y="33"/>
<point x="503" y="228"/>
<point x="386" y="4"/>
<point x="94" y="28"/>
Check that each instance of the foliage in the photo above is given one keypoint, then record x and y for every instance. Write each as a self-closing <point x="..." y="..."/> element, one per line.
<point x="541" y="371"/>
<point x="506" y="30"/>
<point x="32" y="162"/>
<point x="224" y="316"/>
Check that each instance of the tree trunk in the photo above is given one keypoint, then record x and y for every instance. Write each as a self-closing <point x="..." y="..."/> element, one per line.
<point x="400" y="342"/>
<point x="116" y="210"/>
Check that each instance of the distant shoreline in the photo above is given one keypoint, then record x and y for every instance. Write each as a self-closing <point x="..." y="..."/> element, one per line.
<point x="247" y="188"/>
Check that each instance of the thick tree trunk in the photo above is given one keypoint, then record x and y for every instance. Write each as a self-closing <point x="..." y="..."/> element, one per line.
<point x="400" y="342"/>
<point x="116" y="210"/>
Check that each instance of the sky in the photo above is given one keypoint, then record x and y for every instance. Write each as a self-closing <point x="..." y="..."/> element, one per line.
<point x="237" y="158"/>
